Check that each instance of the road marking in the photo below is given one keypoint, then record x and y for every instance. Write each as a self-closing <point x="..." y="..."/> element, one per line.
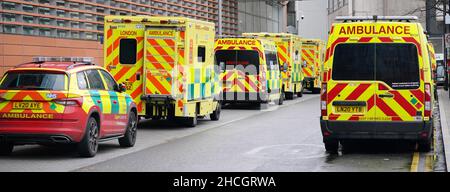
<point x="415" y="162"/>
<point x="429" y="163"/>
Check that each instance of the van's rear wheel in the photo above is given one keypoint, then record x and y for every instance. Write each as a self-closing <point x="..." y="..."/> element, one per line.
<point x="215" y="115"/>
<point x="332" y="146"/>
<point x="424" y="146"/>
<point x="289" y="95"/>
<point x="6" y="149"/>
<point x="191" y="121"/>
<point x="316" y="90"/>
<point x="281" y="99"/>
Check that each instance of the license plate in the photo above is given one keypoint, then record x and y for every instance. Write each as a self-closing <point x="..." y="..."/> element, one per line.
<point x="28" y="105"/>
<point x="349" y="109"/>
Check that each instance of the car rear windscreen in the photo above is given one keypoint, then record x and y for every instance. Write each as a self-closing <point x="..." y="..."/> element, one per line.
<point x="395" y="64"/>
<point x="244" y="60"/>
<point x="32" y="80"/>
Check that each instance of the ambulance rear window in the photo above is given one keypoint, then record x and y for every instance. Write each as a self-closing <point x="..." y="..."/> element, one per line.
<point x="245" y="60"/>
<point x="127" y="51"/>
<point x="34" y="80"/>
<point x="396" y="64"/>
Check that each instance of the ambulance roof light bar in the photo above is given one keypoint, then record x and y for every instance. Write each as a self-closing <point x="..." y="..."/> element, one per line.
<point x="63" y="59"/>
<point x="375" y="18"/>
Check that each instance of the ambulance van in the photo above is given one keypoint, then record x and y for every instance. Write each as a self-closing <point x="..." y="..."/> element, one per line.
<point x="289" y="56"/>
<point x="377" y="82"/>
<point x="313" y="54"/>
<point x="166" y="64"/>
<point x="250" y="70"/>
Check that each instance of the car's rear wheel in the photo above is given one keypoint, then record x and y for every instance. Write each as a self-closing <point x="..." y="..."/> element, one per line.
<point x="89" y="144"/>
<point x="129" y="138"/>
<point x="332" y="146"/>
<point x="6" y="149"/>
<point x="215" y="115"/>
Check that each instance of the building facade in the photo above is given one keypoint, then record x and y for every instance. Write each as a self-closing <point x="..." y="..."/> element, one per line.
<point x="31" y="28"/>
<point x="262" y="16"/>
<point x="312" y="19"/>
<point x="377" y="7"/>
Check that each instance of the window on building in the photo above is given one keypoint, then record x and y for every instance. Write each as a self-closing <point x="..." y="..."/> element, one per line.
<point x="9" y="29"/>
<point x="75" y="35"/>
<point x="8" y="6"/>
<point x="44" y="11"/>
<point x="9" y="17"/>
<point x="61" y="23"/>
<point x="62" y="34"/>
<point x="28" y="30"/>
<point x="44" y="32"/>
<point x="60" y="13"/>
<point x="28" y="19"/>
<point x="44" y="2"/>
<point x="28" y="8"/>
<point x="44" y="21"/>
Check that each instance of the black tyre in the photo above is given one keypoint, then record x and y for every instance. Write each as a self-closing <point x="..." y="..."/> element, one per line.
<point x="191" y="121"/>
<point x="424" y="146"/>
<point x="6" y="149"/>
<point x="300" y="94"/>
<point x="129" y="138"/>
<point x="316" y="90"/>
<point x="289" y="95"/>
<point x="332" y="146"/>
<point x="215" y="115"/>
<point x="89" y="144"/>
<point x="281" y="99"/>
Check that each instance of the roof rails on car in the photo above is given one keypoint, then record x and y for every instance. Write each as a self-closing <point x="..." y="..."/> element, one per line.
<point x="77" y="61"/>
<point x="376" y="18"/>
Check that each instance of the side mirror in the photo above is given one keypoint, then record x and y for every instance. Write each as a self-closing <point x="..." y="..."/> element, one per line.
<point x="120" y="88"/>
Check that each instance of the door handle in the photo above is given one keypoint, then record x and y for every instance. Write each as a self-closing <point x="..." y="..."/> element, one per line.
<point x="385" y="95"/>
<point x="99" y="101"/>
<point x="114" y="101"/>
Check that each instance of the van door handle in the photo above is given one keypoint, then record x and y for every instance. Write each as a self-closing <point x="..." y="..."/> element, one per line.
<point x="385" y="95"/>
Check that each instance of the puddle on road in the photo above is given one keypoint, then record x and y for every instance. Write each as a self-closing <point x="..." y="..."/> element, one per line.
<point x="288" y="151"/>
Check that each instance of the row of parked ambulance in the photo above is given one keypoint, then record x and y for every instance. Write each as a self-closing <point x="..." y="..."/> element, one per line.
<point x="155" y="68"/>
<point x="375" y="79"/>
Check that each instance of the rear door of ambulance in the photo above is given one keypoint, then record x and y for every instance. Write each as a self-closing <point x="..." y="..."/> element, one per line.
<point x="241" y="79"/>
<point x="309" y="61"/>
<point x="350" y="89"/>
<point x="161" y="57"/>
<point x="124" y="58"/>
<point x="400" y="91"/>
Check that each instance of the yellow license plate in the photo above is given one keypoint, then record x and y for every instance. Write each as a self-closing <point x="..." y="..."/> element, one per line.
<point x="349" y="109"/>
<point x="28" y="105"/>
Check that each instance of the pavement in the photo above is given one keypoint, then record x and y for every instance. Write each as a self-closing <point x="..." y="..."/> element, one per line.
<point x="444" y="109"/>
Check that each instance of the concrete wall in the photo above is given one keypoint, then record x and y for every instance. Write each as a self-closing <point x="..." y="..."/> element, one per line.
<point x="315" y="22"/>
<point x="258" y="16"/>
<point x="17" y="49"/>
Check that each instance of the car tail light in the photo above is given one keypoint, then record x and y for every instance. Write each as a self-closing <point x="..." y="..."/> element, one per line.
<point x="427" y="112"/>
<point x="323" y="100"/>
<point x="70" y="101"/>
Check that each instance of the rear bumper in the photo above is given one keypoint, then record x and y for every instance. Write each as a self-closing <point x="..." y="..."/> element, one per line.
<point x="376" y="130"/>
<point x="34" y="138"/>
<point x="36" y="131"/>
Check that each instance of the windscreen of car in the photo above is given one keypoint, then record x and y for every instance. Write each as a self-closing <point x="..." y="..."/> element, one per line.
<point x="440" y="71"/>
<point x="395" y="64"/>
<point x="34" y="80"/>
<point x="244" y="60"/>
